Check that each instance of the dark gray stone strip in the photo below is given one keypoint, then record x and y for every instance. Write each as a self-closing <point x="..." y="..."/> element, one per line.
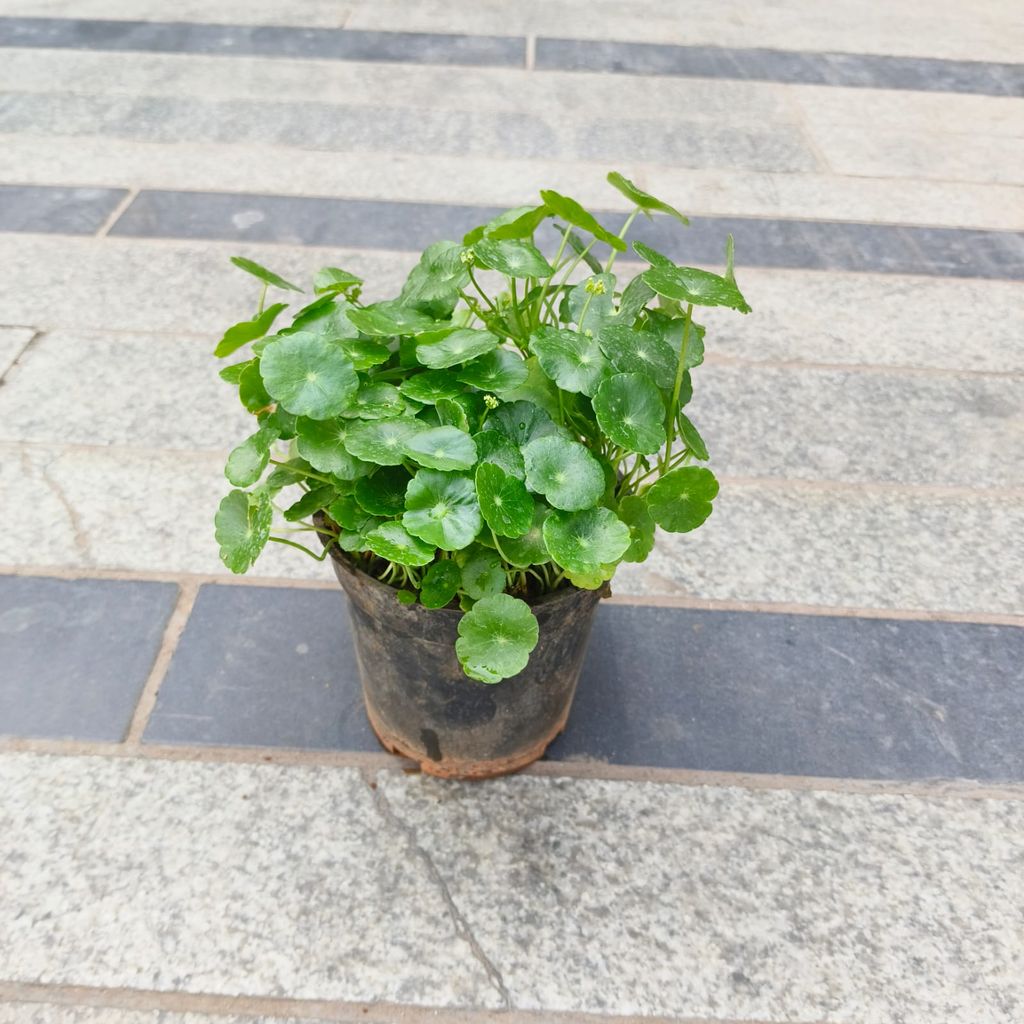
<point x="65" y="211"/>
<point x="75" y="654"/>
<point x="819" y="245"/>
<point x="849" y="70"/>
<point x="262" y="41"/>
<point x="724" y="691"/>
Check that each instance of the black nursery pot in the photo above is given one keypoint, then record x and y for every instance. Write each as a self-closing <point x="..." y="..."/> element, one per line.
<point x="423" y="706"/>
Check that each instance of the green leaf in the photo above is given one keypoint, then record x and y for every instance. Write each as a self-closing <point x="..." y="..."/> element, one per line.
<point x="376" y="401"/>
<point x="505" y="503"/>
<point x="308" y="375"/>
<point x="482" y="574"/>
<point x="523" y="422"/>
<point x="442" y="448"/>
<point x="494" y="447"/>
<point x="700" y="287"/>
<point x="630" y="411"/>
<point x="251" y="392"/>
<point x="590" y="306"/>
<point x="465" y="411"/>
<point x="348" y="513"/>
<point x="579" y="247"/>
<point x="572" y="360"/>
<point x="365" y="354"/>
<point x="287" y="474"/>
<point x="634" y="513"/>
<point x="634" y="297"/>
<point x="583" y="542"/>
<point x="441" y="583"/>
<point x="393" y="543"/>
<point x="633" y="351"/>
<point x="497" y="371"/>
<point x="454" y="345"/>
<point x="691" y="436"/>
<point x="671" y="331"/>
<point x="529" y="549"/>
<point x="263" y="274"/>
<point x="568" y="209"/>
<point x="232" y="374"/>
<point x="681" y="500"/>
<point x="442" y="508"/>
<point x="496" y="637"/>
<point x="331" y="280"/>
<point x="248" y="330"/>
<point x="326" y="317"/>
<point x="652" y="256"/>
<point x="322" y="443"/>
<point x="563" y="471"/>
<point x="538" y="389"/>
<point x="383" y="494"/>
<point x="246" y="462"/>
<point x="642" y="199"/>
<point x="512" y="257"/>
<point x="382" y="441"/>
<point x="390" y="319"/>
<point x="436" y="280"/>
<point x="242" y="527"/>
<point x="312" y="501"/>
<point x="523" y="225"/>
<point x="430" y="385"/>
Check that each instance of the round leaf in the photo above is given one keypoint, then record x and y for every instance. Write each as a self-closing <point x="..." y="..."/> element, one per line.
<point x="322" y="444"/>
<point x="700" y="287"/>
<point x="564" y="472"/>
<point x="331" y="280"/>
<point x="308" y="376"/>
<point x="382" y="441"/>
<point x="440" y="584"/>
<point x="390" y="319"/>
<point x="691" y="437"/>
<point x="522" y="422"/>
<point x="482" y="574"/>
<point x="640" y="352"/>
<point x="450" y="347"/>
<point x="442" y="448"/>
<point x="430" y="386"/>
<point x="589" y="304"/>
<point x="393" y="543"/>
<point x="242" y="527"/>
<point x="251" y="267"/>
<point x="572" y="360"/>
<point x="383" y="494"/>
<point x="529" y="549"/>
<point x="496" y="637"/>
<point x="493" y="446"/>
<point x="568" y="209"/>
<point x="251" y="392"/>
<point x="630" y="411"/>
<point x="512" y="257"/>
<point x="642" y="199"/>
<point x="634" y="513"/>
<point x="247" y="462"/>
<point x="376" y="401"/>
<point x="505" y="503"/>
<point x="681" y="500"/>
<point x="498" y="371"/>
<point x="584" y="542"/>
<point x="442" y="508"/>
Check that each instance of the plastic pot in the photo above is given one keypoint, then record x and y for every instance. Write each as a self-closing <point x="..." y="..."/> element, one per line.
<point x="422" y="705"/>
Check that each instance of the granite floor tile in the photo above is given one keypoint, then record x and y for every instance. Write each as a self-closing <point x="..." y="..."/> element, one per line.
<point x="263" y="40"/>
<point x="609" y="897"/>
<point x="243" y="880"/>
<point x="65" y="211"/>
<point x="52" y="1013"/>
<point x="12" y="343"/>
<point x="715" y="691"/>
<point x="849" y="70"/>
<point x="76" y="653"/>
<point x="804" y="544"/>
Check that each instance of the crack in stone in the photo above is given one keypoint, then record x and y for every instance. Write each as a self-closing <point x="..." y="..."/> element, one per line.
<point x="35" y="336"/>
<point x="462" y="926"/>
<point x="80" y="534"/>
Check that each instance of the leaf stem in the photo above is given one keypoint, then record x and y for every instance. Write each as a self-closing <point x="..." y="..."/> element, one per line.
<point x="622" y="234"/>
<point x="263" y="299"/>
<point x="547" y="284"/>
<point x="304" y="472"/>
<point x="673" y="409"/>
<point x="301" y="547"/>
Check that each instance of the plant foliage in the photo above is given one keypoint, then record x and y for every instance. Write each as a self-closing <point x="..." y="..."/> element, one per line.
<point x="510" y="424"/>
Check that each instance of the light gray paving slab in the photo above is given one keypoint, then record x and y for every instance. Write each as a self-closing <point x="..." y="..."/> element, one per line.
<point x="879" y="548"/>
<point x="12" y="343"/>
<point x="610" y="897"/>
<point x="225" y="879"/>
<point x="881" y="426"/>
<point x="376" y="128"/>
<point x="145" y="390"/>
<point x="52" y="1013"/>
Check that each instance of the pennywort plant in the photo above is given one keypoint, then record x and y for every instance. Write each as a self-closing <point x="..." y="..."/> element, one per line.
<point x="510" y="424"/>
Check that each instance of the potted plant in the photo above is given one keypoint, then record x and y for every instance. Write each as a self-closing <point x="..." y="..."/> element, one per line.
<point x="476" y="457"/>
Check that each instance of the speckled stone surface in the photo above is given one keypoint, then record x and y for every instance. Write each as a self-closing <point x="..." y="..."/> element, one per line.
<point x="540" y="893"/>
<point x="50" y="1013"/>
<point x="228" y="879"/>
<point x="638" y="898"/>
<point x="12" y="342"/>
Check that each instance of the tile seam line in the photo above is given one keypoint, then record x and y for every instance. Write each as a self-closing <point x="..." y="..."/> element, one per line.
<point x="115" y="214"/>
<point x="690" y="602"/>
<point x="938" y="789"/>
<point x="705" y="214"/>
